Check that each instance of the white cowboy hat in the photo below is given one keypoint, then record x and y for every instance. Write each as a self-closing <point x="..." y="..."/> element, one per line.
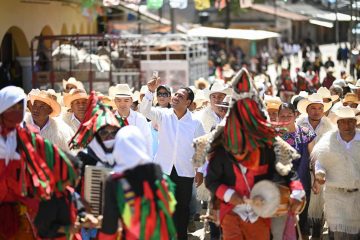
<point x="302" y="94"/>
<point x="218" y="87"/>
<point x="356" y="86"/>
<point x="346" y="113"/>
<point x="73" y="95"/>
<point x="120" y="91"/>
<point x="312" y="99"/>
<point x="46" y="97"/>
<point x="74" y="82"/>
<point x="272" y="102"/>
<point x="325" y="93"/>
<point x="144" y="89"/>
<point x="340" y="82"/>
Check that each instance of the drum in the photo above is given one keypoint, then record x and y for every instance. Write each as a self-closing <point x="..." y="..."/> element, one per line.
<point x="275" y="199"/>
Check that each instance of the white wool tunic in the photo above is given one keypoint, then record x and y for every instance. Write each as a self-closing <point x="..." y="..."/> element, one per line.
<point x="342" y="168"/>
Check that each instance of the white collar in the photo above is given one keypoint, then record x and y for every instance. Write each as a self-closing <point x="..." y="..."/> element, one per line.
<point x="310" y="126"/>
<point x="130" y="114"/>
<point x="47" y="124"/>
<point x="217" y="118"/>
<point x="73" y="118"/>
<point x="355" y="138"/>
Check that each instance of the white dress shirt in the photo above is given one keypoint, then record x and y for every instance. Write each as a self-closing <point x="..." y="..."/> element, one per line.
<point x="137" y="119"/>
<point x="175" y="137"/>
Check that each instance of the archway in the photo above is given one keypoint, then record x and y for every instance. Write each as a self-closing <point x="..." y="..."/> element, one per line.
<point x="64" y="30"/>
<point x="81" y="28"/>
<point x="73" y="29"/>
<point x="14" y="45"/>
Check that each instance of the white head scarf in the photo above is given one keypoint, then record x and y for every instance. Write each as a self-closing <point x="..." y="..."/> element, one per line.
<point x="130" y="149"/>
<point x="8" y="97"/>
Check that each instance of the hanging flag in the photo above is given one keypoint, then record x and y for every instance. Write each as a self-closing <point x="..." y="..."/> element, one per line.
<point x="220" y="4"/>
<point x="180" y="4"/>
<point x="245" y="3"/>
<point x="154" y="4"/>
<point x="202" y="4"/>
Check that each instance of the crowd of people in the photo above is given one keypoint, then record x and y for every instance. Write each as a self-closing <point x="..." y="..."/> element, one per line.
<point x="216" y="142"/>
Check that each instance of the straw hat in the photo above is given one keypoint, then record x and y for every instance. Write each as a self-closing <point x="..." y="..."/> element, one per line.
<point x="73" y="95"/>
<point x="312" y="99"/>
<point x="200" y="98"/>
<point x="106" y="100"/>
<point x="356" y="86"/>
<point x="272" y="102"/>
<point x="218" y="87"/>
<point x="228" y="72"/>
<point x="346" y="113"/>
<point x="325" y="93"/>
<point x="46" y="97"/>
<point x="350" y="97"/>
<point x="74" y="82"/>
<point x="201" y="81"/>
<point x="120" y="91"/>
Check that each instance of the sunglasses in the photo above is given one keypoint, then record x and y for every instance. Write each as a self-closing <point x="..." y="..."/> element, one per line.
<point x="160" y="94"/>
<point x="105" y="133"/>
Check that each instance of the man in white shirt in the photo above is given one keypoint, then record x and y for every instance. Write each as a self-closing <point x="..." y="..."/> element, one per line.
<point x="44" y="110"/>
<point x="338" y="166"/>
<point x="76" y="101"/>
<point x="177" y="130"/>
<point x="211" y="116"/>
<point x="123" y="98"/>
<point x="313" y="110"/>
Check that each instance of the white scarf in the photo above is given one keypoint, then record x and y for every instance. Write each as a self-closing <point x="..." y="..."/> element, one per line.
<point x="130" y="149"/>
<point x="8" y="148"/>
<point x="8" y="97"/>
<point x="100" y="153"/>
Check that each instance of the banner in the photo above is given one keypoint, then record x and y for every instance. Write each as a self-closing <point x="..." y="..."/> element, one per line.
<point x="245" y="3"/>
<point x="154" y="4"/>
<point x="180" y="4"/>
<point x="202" y="4"/>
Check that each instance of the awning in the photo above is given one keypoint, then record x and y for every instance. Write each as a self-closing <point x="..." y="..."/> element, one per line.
<point x="245" y="34"/>
<point x="322" y="23"/>
<point x="279" y="12"/>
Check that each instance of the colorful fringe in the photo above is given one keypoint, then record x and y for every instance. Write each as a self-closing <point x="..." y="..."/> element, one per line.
<point x="149" y="216"/>
<point x="44" y="167"/>
<point x="97" y="116"/>
<point x="246" y="128"/>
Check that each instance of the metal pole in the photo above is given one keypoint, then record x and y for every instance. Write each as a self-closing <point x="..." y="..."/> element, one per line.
<point x="227" y="23"/>
<point x="351" y="24"/>
<point x="336" y="23"/>
<point x="172" y="19"/>
<point x="139" y="20"/>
